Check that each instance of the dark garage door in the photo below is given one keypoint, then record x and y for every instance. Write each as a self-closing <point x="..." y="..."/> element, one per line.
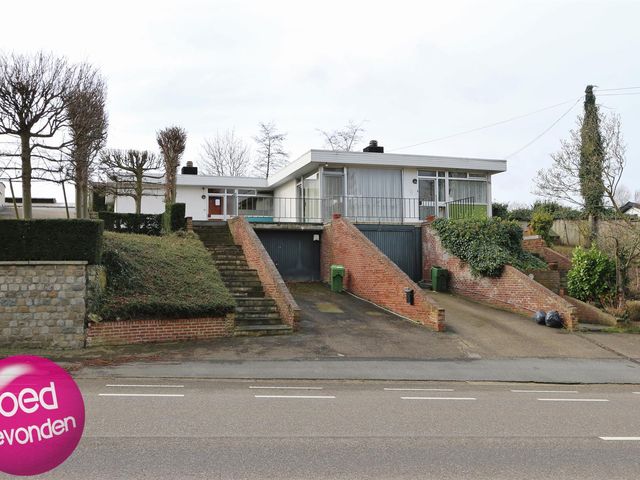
<point x="401" y="243"/>
<point x="296" y="254"/>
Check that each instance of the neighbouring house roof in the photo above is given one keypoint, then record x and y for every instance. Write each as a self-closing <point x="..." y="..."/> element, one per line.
<point x="312" y="159"/>
<point x="628" y="206"/>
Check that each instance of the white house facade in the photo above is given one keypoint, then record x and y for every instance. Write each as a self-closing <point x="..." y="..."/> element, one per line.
<point x="368" y="186"/>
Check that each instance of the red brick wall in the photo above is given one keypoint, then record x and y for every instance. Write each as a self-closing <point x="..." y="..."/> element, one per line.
<point x="128" y="332"/>
<point x="513" y="291"/>
<point x="372" y="276"/>
<point x="258" y="259"/>
<point x="549" y="278"/>
<point x="538" y="246"/>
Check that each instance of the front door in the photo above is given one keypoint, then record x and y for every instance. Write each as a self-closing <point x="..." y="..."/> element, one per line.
<point x="216" y="206"/>
<point x="426" y="197"/>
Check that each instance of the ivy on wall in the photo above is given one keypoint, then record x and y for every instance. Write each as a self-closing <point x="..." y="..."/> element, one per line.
<point x="487" y="245"/>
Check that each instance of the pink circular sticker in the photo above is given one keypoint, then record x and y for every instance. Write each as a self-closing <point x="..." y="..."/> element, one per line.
<point x="41" y="415"/>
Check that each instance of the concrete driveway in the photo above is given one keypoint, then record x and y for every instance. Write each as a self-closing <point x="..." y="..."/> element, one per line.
<point x="490" y="333"/>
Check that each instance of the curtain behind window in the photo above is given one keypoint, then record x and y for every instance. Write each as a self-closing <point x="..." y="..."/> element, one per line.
<point x="374" y="194"/>
<point x="459" y="189"/>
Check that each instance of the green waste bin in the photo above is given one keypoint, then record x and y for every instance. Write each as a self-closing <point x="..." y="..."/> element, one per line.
<point x="439" y="279"/>
<point x="337" y="278"/>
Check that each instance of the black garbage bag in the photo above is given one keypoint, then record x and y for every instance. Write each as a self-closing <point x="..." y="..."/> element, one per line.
<point x="540" y="316"/>
<point x="553" y="319"/>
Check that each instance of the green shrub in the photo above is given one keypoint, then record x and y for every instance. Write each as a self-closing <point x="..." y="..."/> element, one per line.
<point x="174" y="218"/>
<point x="132" y="223"/>
<point x="520" y="214"/>
<point x="487" y="245"/>
<point x="633" y="310"/>
<point x="558" y="211"/>
<point x="172" y="276"/>
<point x="592" y="277"/>
<point x="51" y="239"/>
<point x="541" y="223"/>
<point x="500" y="210"/>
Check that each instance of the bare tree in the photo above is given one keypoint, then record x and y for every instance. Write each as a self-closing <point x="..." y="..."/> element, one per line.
<point x="345" y="138"/>
<point x="172" y="142"/>
<point x="130" y="171"/>
<point x="621" y="237"/>
<point x="623" y="195"/>
<point x="561" y="181"/>
<point x="88" y="124"/>
<point x="271" y="153"/>
<point x="226" y="155"/>
<point x="33" y="110"/>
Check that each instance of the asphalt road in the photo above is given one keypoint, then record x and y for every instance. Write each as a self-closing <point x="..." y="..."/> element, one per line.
<point x="186" y="428"/>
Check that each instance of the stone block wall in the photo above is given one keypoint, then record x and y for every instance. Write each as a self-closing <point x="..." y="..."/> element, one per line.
<point x="372" y="276"/>
<point x="42" y="303"/>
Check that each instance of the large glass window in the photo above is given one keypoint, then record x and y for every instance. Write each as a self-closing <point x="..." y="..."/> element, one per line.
<point x="374" y="193"/>
<point x="459" y="189"/>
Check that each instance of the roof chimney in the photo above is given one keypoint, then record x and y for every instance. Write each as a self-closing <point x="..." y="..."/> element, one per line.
<point x="373" y="147"/>
<point x="189" y="169"/>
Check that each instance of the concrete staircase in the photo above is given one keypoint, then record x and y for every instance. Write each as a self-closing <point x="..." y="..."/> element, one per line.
<point x="256" y="314"/>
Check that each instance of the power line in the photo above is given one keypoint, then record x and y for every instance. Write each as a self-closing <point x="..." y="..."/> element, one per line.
<point x="617" y="94"/>
<point x="485" y="126"/>
<point x="546" y="130"/>
<point x="614" y="89"/>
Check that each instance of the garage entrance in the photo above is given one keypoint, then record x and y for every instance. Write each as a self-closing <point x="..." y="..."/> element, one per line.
<point x="295" y="253"/>
<point x="401" y="243"/>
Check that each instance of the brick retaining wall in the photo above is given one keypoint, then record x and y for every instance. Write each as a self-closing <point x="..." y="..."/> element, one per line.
<point x="513" y="291"/>
<point x="127" y="332"/>
<point x="258" y="258"/>
<point x="372" y="276"/>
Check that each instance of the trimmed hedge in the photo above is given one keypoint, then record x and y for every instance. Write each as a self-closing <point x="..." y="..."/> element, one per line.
<point x="487" y="245"/>
<point x="172" y="276"/>
<point x="132" y="223"/>
<point x="51" y="239"/>
<point x="177" y="213"/>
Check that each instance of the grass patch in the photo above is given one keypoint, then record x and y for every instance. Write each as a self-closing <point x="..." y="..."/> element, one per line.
<point x="160" y="277"/>
<point x="623" y="328"/>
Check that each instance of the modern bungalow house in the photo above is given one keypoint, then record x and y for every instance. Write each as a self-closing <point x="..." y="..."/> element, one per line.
<point x="367" y="187"/>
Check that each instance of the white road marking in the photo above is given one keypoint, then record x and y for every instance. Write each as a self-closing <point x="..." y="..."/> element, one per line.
<point x="141" y="395"/>
<point x="573" y="399"/>
<point x="297" y="396"/>
<point x="621" y="439"/>
<point x="637" y="393"/>
<point x="285" y="388"/>
<point x="544" y="391"/>
<point x="145" y="386"/>
<point x="419" y="389"/>
<point x="438" y="398"/>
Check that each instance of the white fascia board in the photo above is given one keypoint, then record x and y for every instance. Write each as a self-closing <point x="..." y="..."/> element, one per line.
<point x="213" y="181"/>
<point x="299" y="166"/>
<point x="403" y="160"/>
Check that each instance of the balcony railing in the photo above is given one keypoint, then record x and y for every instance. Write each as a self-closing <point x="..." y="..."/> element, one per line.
<point x="359" y="209"/>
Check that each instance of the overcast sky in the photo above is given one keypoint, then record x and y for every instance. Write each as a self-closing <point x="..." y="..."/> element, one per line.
<point x="414" y="71"/>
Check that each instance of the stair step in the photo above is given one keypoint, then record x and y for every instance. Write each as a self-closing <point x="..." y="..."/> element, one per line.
<point x="248" y="330"/>
<point x="244" y="283"/>
<point x="231" y="275"/>
<point x="266" y="309"/>
<point x="243" y="322"/>
<point x="258" y="315"/>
